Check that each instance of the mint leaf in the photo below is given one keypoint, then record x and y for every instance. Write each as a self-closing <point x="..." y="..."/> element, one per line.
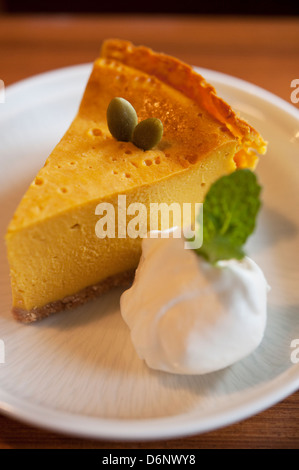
<point x="229" y="214"/>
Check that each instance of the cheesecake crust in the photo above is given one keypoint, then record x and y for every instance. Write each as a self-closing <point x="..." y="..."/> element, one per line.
<point x="75" y="300"/>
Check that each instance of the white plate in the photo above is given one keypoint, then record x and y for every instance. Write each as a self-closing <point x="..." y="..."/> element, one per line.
<point x="77" y="372"/>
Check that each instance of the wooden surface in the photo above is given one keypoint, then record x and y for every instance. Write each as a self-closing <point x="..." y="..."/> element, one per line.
<point x="262" y="51"/>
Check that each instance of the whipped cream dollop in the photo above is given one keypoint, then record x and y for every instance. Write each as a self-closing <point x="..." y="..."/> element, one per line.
<point x="187" y="316"/>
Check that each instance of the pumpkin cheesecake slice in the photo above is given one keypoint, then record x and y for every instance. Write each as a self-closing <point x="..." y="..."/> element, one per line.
<point x="56" y="259"/>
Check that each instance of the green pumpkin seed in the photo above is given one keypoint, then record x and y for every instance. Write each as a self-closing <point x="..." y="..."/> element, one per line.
<point x="121" y="119"/>
<point x="148" y="133"/>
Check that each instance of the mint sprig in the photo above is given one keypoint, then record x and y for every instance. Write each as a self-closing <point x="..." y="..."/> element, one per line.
<point x="229" y="215"/>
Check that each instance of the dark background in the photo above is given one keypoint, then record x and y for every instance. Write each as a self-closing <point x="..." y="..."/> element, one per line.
<point x="228" y="7"/>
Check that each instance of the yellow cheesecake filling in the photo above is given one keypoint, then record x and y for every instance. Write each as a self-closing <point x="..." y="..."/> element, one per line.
<point x="52" y="246"/>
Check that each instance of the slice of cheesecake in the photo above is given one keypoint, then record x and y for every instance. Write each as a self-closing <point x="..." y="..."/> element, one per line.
<point x="56" y="259"/>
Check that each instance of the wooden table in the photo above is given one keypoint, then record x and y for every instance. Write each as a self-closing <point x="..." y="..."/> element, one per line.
<point x="263" y="51"/>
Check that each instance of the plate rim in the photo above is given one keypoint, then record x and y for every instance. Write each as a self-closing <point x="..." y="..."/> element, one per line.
<point x="152" y="428"/>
